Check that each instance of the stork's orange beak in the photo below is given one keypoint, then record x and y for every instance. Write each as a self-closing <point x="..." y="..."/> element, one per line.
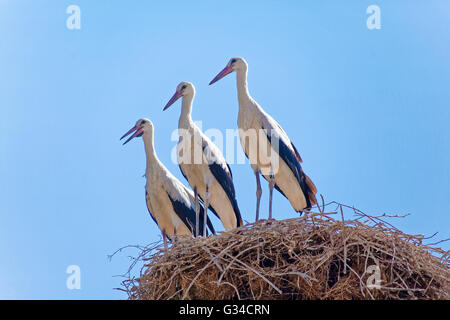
<point x="138" y="133"/>
<point x="174" y="98"/>
<point x="223" y="73"/>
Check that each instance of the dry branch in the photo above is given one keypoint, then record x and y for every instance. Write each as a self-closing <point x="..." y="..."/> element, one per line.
<point x="312" y="257"/>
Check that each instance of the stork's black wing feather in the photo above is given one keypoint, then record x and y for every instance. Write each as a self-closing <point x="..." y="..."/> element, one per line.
<point x="293" y="163"/>
<point x="211" y="208"/>
<point x="229" y="170"/>
<point x="181" y="169"/>
<point x="225" y="179"/>
<point x="187" y="215"/>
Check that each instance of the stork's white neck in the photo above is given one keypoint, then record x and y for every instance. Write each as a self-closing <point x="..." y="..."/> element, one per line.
<point x="186" y="110"/>
<point x="242" y="89"/>
<point x="152" y="158"/>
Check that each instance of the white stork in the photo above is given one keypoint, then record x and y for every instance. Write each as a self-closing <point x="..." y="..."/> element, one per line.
<point x="288" y="176"/>
<point x="169" y="202"/>
<point x="203" y="164"/>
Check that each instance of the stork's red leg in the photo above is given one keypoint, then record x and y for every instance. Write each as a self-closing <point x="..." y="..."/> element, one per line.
<point x="258" y="194"/>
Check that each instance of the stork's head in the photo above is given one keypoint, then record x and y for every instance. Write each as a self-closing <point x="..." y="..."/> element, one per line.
<point x="142" y="127"/>
<point x="183" y="89"/>
<point x="235" y="64"/>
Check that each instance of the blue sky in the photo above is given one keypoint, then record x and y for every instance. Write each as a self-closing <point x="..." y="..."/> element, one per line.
<point x="367" y="109"/>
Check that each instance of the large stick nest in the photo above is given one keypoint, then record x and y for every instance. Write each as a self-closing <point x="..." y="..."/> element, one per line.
<point x="317" y="256"/>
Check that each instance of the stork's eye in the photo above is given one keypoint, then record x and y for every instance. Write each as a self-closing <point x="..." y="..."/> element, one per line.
<point x="143" y="122"/>
<point x="233" y="61"/>
<point x="183" y="87"/>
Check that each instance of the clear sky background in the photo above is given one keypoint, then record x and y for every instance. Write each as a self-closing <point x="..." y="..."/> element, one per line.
<point x="368" y="110"/>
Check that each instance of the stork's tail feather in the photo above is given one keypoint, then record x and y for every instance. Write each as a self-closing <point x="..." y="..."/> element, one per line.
<point x="210" y="226"/>
<point x="239" y="221"/>
<point x="312" y="190"/>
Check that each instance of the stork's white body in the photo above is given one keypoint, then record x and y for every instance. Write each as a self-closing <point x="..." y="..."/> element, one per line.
<point x="288" y="177"/>
<point x="198" y="170"/>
